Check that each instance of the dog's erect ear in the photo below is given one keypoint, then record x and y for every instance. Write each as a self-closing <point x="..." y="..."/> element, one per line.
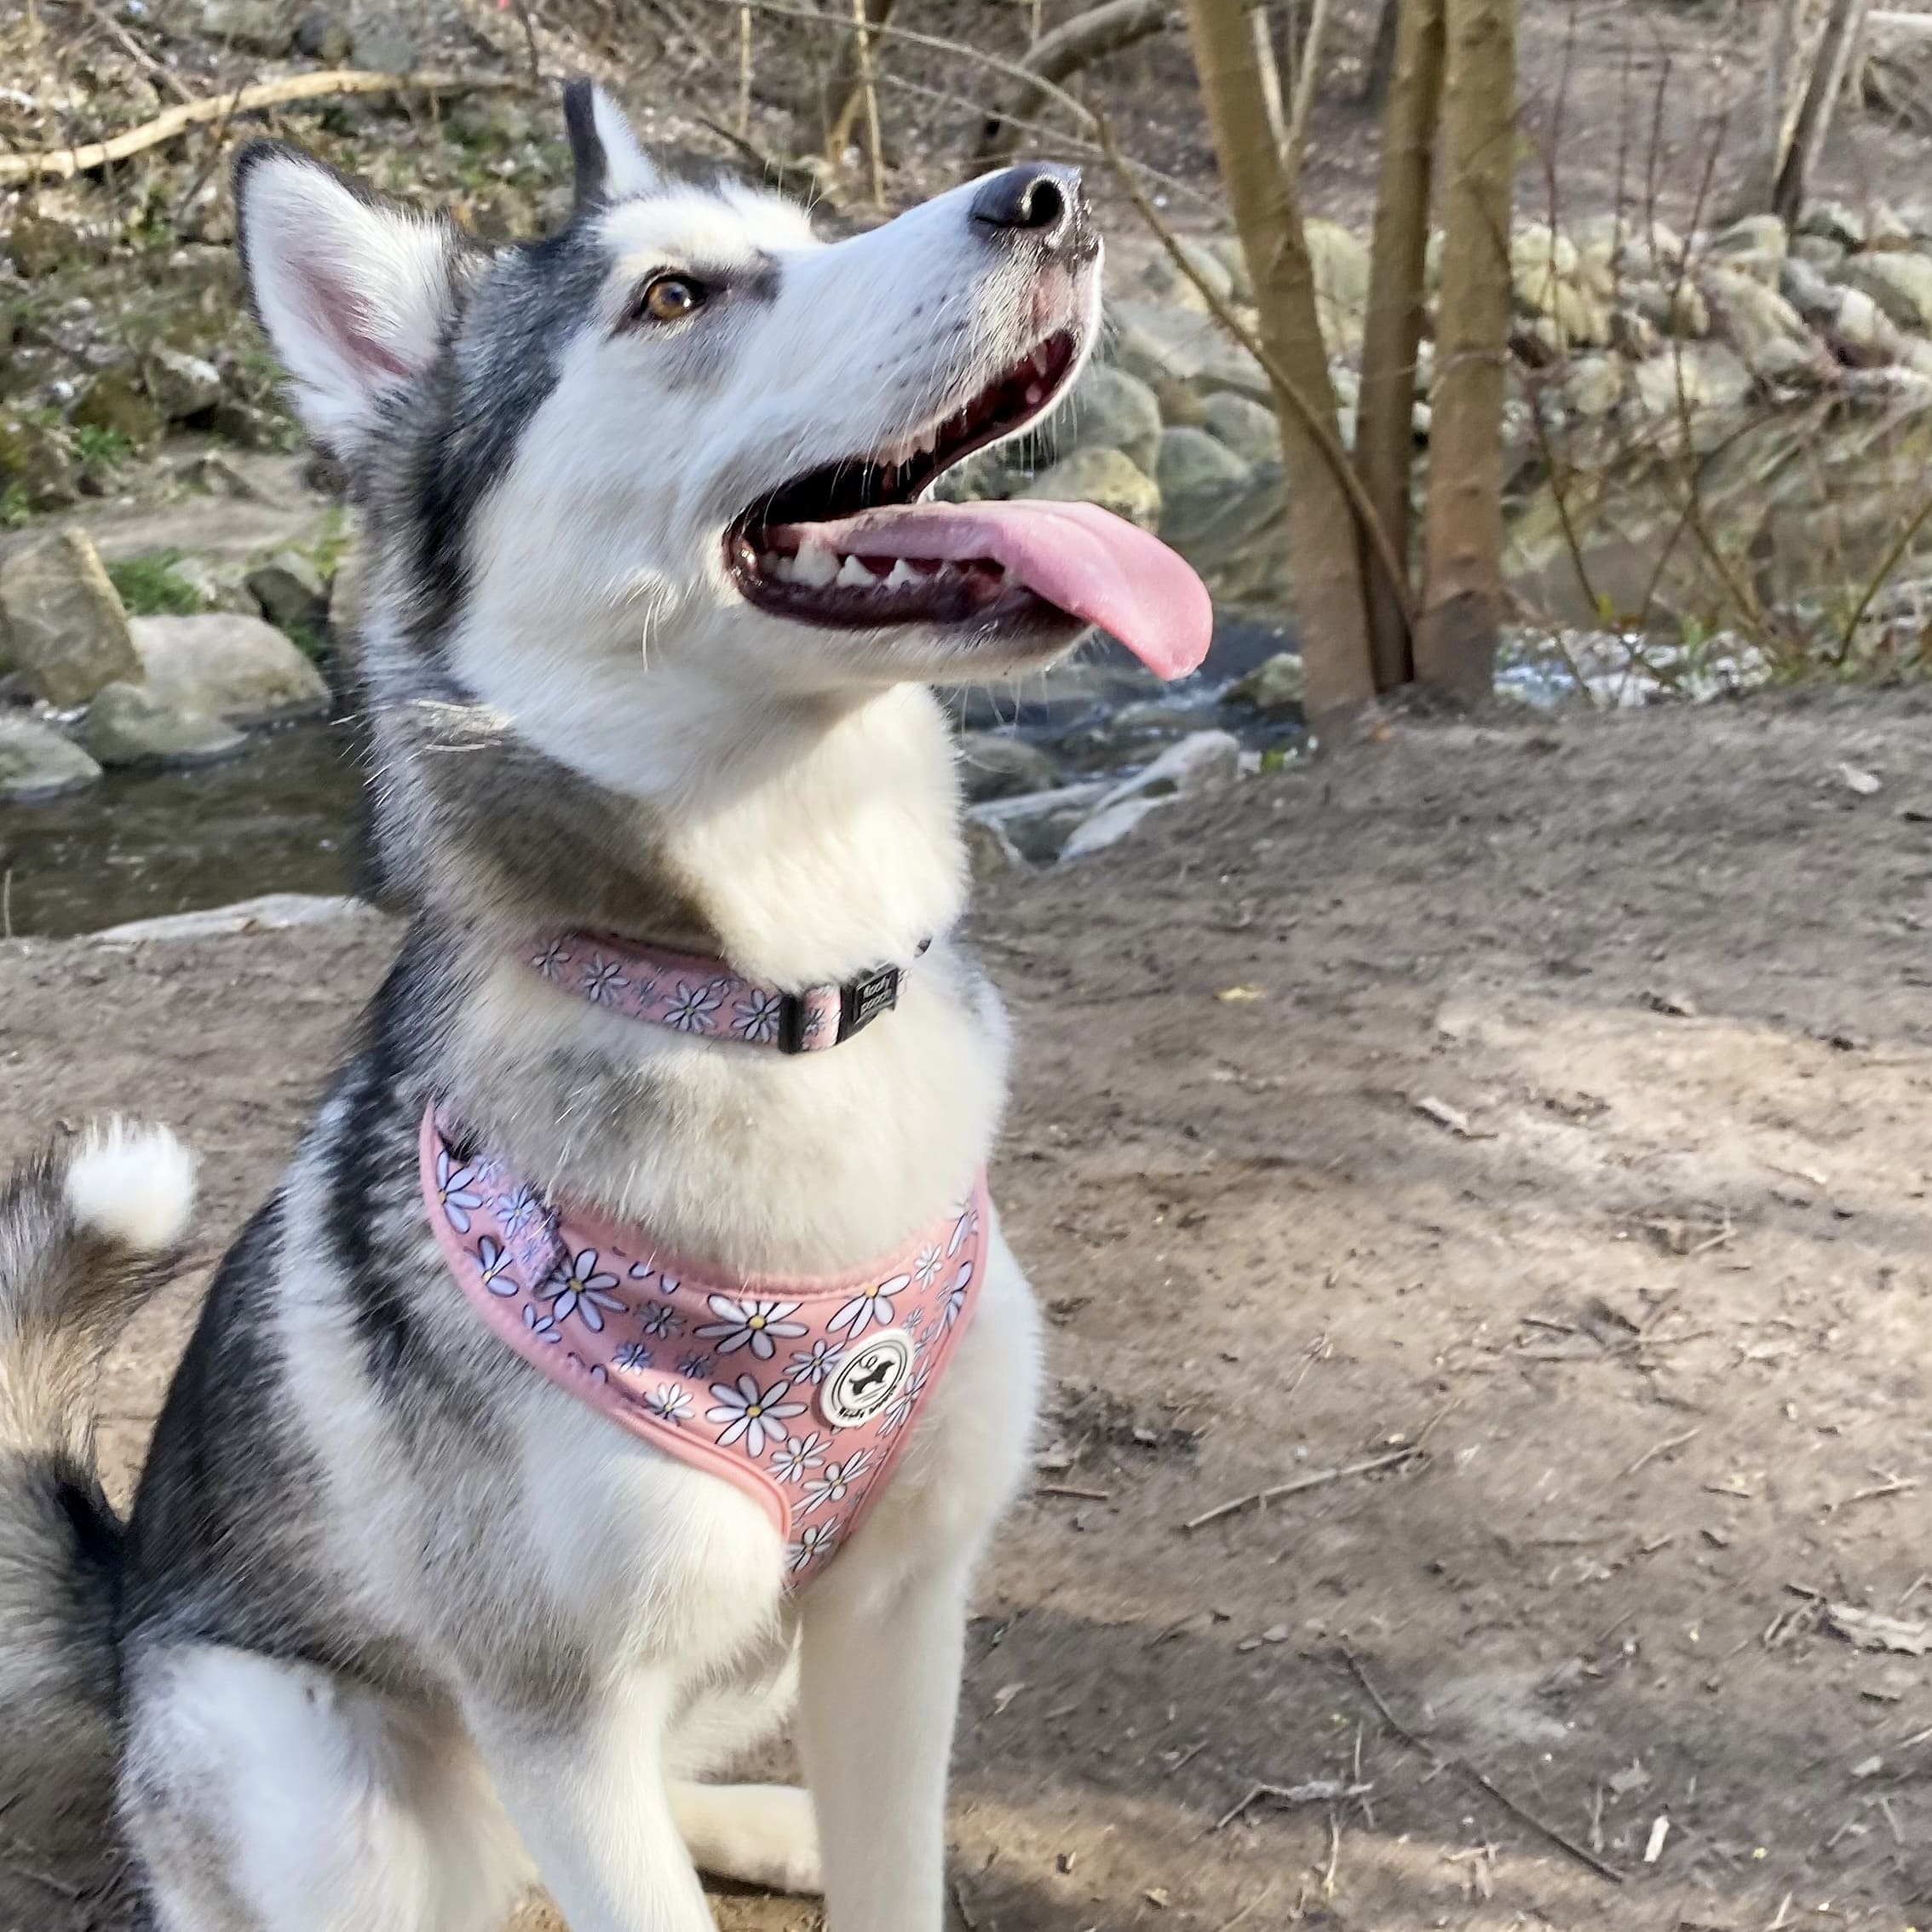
<point x="609" y="163"/>
<point x="353" y="292"/>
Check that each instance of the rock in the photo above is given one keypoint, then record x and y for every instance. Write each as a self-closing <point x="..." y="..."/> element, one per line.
<point x="986" y="476"/>
<point x="1702" y="378"/>
<point x="36" y="761"/>
<point x="1162" y="279"/>
<point x="1110" y="410"/>
<point x="345" y="596"/>
<point x="991" y="853"/>
<point x="1901" y="284"/>
<point x="1247" y="428"/>
<point x="1195" y="762"/>
<point x="1593" y="386"/>
<point x="1757" y="322"/>
<point x="1038" y="822"/>
<point x="222" y="476"/>
<point x="39" y="460"/>
<point x="384" y="40"/>
<point x="1541" y="260"/>
<point x="271" y="912"/>
<point x="128" y="725"/>
<point x="237" y="668"/>
<point x="182" y="385"/>
<point x="1106" y="477"/>
<point x="996" y="764"/>
<point x="1832" y="221"/>
<point x="1273" y="687"/>
<point x="61" y="625"/>
<point x="248" y="425"/>
<point x="1886" y="228"/>
<point x="115" y="400"/>
<point x="1341" y="266"/>
<point x="1633" y="334"/>
<point x="1197" y="474"/>
<point x="1861" y="332"/>
<point x="1754" y="234"/>
<point x="1171" y="345"/>
<point x="1818" y="251"/>
<point x="1108" y="826"/>
<point x="1677" y="308"/>
<point x="1809" y="290"/>
<point x="1228" y="251"/>
<point x="1181" y="408"/>
<point x="1760" y="264"/>
<point x="322" y="36"/>
<point x="256" y="26"/>
<point x="37" y="244"/>
<point x="291" y="593"/>
<point x="218" y="585"/>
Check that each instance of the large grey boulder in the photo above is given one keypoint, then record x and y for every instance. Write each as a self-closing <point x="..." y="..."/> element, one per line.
<point x="1248" y="428"/>
<point x="1106" y="477"/>
<point x="255" y="26"/>
<point x="1162" y="345"/>
<point x="1901" y="284"/>
<point x="1197" y="473"/>
<point x="1164" y="280"/>
<point x="61" y="624"/>
<point x="290" y="591"/>
<point x="1110" y="410"/>
<point x="36" y="761"/>
<point x="182" y="385"/>
<point x="128" y="725"/>
<point x="232" y="667"/>
<point x="995" y="764"/>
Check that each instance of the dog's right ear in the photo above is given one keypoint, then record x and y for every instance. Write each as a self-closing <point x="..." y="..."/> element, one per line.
<point x="353" y="293"/>
<point x="608" y="163"/>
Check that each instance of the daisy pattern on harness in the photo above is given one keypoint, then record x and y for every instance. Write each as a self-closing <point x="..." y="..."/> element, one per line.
<point x="792" y="1461"/>
<point x="660" y="1320"/>
<point x="456" y="1189"/>
<point x="870" y="1305"/>
<point x="751" y="1325"/>
<point x="632" y="1355"/>
<point x="964" y="1228"/>
<point x="551" y="961"/>
<point x="603" y="980"/>
<point x="492" y="1264"/>
<point x="926" y="1269"/>
<point x="517" y="1208"/>
<point x="814" y="1545"/>
<point x="954" y="1306"/>
<point x="758" y="1014"/>
<point x="668" y="1404"/>
<point x="752" y="1415"/>
<point x="835" y="1484"/>
<point x="695" y="1008"/>
<point x="815" y="1363"/>
<point x="899" y="1412"/>
<point x="578" y="1289"/>
<point x="543" y="1326"/>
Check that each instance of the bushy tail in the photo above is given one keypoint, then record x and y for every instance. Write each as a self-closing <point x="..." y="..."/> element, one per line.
<point x="87" y="1232"/>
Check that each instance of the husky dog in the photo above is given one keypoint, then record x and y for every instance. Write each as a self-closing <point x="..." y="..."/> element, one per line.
<point x="397" y="1625"/>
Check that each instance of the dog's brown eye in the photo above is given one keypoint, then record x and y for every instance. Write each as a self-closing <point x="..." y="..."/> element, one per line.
<point x="670" y="298"/>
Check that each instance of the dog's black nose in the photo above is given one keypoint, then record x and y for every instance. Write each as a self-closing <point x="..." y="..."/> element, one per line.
<point x="1045" y="203"/>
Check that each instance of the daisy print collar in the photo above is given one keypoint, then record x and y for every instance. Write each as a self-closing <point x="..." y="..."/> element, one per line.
<point x="802" y="1393"/>
<point x="705" y="999"/>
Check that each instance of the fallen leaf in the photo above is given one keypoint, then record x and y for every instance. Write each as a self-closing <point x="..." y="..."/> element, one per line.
<point x="1659" y="1832"/>
<point x="1239" y="996"/>
<point x="1867" y="785"/>
<point x="1444" y="1115"/>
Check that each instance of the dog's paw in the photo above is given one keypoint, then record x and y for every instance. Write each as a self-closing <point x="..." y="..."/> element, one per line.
<point x="762" y="1835"/>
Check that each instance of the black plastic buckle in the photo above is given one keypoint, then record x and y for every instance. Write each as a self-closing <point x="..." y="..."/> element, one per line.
<point x="860" y="1002"/>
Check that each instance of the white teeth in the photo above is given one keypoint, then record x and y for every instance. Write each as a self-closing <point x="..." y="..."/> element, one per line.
<point x="930" y="443"/>
<point x="901" y="575"/>
<point x="1041" y="360"/>
<point x="784" y="569"/>
<point x="853" y="576"/>
<point x="814" y="566"/>
<point x="1035" y="395"/>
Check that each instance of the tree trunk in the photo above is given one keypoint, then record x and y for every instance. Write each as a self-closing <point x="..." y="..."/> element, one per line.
<point x="1269" y="68"/>
<point x="1844" y="30"/>
<point x="1463" y="591"/>
<point x="1308" y="82"/>
<point x="845" y="85"/>
<point x="1787" y="40"/>
<point x="1073" y="44"/>
<point x="1381" y="71"/>
<point x="1321" y="522"/>
<point x="1392" y="332"/>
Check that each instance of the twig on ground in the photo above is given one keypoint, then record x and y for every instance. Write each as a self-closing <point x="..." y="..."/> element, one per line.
<point x="1581" y="1854"/>
<point x="1248" y="1910"/>
<point x="1319" y="1790"/>
<point x="1663" y="1448"/>
<point x="1073" y="1490"/>
<point x="164" y="74"/>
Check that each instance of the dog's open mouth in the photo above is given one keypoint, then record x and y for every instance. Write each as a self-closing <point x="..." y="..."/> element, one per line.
<point x="850" y="546"/>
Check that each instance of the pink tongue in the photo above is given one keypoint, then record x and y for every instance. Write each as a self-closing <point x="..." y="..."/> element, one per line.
<point x="1078" y="556"/>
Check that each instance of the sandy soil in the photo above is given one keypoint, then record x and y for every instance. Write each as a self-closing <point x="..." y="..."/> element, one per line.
<point x="1515" y="1141"/>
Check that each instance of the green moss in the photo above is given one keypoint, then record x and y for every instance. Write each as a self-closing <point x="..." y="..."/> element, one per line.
<point x="15" y="508"/>
<point x="149" y="586"/>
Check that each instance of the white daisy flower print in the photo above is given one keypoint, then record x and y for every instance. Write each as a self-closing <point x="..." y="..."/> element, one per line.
<point x="756" y="1015"/>
<point x="632" y="1355"/>
<point x="751" y="1325"/>
<point x="695" y="1366"/>
<point x="870" y="1305"/>
<point x="668" y="1404"/>
<point x="835" y="1484"/>
<point x="794" y="1459"/>
<point x="925" y="1270"/>
<point x="903" y="1403"/>
<point x="456" y="1189"/>
<point x="693" y="1009"/>
<point x="661" y="1321"/>
<point x="954" y="1306"/>
<point x="964" y="1228"/>
<point x="814" y="1544"/>
<point x="543" y="1326"/>
<point x="595" y="1371"/>
<point x="753" y="1416"/>
<point x="914" y="1322"/>
<point x="815" y="1363"/>
<point x="551" y="961"/>
<point x="518" y="1208"/>
<point x="578" y="1289"/>
<point x="603" y="980"/>
<point x="492" y="1266"/>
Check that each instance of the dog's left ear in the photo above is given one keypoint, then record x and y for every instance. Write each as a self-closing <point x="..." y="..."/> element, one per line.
<point x="609" y="163"/>
<point x="354" y="293"/>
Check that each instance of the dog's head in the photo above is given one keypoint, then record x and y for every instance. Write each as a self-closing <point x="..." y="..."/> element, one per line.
<point x="685" y="439"/>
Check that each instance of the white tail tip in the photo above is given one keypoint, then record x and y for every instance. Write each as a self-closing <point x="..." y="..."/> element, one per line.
<point x="132" y="1184"/>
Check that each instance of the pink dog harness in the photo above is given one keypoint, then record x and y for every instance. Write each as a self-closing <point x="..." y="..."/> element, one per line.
<point x="804" y="1393"/>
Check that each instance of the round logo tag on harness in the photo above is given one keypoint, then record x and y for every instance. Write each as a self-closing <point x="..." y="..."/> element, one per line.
<point x="866" y="1380"/>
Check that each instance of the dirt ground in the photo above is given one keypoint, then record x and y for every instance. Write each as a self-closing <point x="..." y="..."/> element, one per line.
<point x="1512" y="1142"/>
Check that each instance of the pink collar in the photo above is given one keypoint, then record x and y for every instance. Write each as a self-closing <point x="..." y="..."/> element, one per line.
<point x="706" y="998"/>
<point x="802" y="1393"/>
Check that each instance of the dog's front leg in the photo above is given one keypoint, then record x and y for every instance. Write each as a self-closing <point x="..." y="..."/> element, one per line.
<point x="879" y="1693"/>
<point x="590" y="1798"/>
